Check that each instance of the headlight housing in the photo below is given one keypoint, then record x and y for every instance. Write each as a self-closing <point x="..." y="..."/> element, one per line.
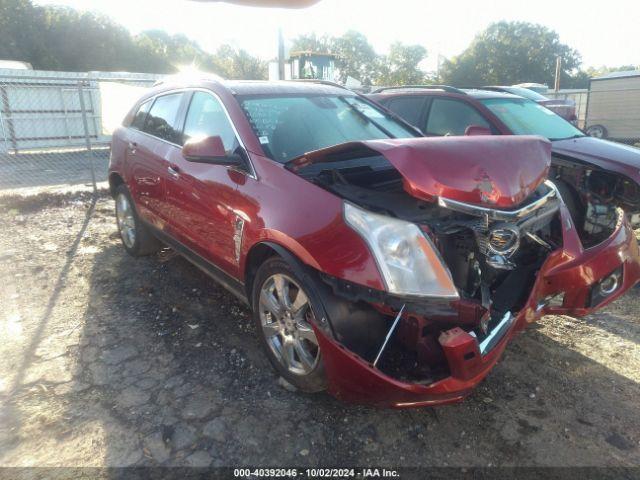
<point x="408" y="261"/>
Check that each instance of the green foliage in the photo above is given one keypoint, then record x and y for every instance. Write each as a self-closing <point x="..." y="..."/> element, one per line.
<point x="310" y="42"/>
<point x="55" y="38"/>
<point x="511" y="52"/>
<point x="355" y="57"/>
<point x="400" y="67"/>
<point x="581" y="78"/>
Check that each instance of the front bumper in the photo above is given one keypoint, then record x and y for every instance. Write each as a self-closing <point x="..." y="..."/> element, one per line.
<point x="571" y="271"/>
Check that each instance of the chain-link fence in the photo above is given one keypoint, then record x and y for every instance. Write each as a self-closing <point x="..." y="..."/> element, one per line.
<point x="55" y="130"/>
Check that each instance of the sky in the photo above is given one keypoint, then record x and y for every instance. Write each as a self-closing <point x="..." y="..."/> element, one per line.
<point x="604" y="33"/>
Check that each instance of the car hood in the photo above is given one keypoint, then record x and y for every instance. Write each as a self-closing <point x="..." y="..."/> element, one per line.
<point x="616" y="157"/>
<point x="498" y="171"/>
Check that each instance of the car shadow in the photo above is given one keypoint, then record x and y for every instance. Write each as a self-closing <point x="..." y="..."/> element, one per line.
<point x="171" y="365"/>
<point x="10" y="416"/>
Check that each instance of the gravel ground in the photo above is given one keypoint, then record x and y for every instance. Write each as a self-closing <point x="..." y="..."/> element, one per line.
<point x="114" y="361"/>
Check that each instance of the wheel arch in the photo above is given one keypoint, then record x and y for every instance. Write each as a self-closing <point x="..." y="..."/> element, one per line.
<point x="264" y="250"/>
<point x="115" y="180"/>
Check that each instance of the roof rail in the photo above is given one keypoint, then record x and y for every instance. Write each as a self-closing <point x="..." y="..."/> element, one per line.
<point x="320" y="81"/>
<point x="197" y="76"/>
<point x="446" y="88"/>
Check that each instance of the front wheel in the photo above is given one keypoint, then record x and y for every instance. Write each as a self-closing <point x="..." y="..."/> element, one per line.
<point x="283" y="313"/>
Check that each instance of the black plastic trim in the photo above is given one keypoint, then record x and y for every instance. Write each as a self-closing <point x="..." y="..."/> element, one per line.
<point x="223" y="278"/>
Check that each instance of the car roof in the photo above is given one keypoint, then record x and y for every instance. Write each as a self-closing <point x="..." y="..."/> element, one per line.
<point x="254" y="87"/>
<point x="280" y="87"/>
<point x="474" y="93"/>
<point x="480" y="94"/>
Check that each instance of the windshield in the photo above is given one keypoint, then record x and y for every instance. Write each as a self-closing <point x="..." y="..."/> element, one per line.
<point x="524" y="117"/>
<point x="289" y="126"/>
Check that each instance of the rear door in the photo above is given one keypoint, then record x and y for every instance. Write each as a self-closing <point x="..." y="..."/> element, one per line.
<point x="202" y="197"/>
<point x="148" y="151"/>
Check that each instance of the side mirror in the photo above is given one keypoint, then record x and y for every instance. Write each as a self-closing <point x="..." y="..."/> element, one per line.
<point x="473" y="130"/>
<point x="208" y="150"/>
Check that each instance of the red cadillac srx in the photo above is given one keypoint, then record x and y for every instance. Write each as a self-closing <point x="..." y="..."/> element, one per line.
<point x="388" y="268"/>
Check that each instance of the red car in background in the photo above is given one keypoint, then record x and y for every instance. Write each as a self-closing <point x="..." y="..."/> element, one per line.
<point x="593" y="175"/>
<point x="386" y="267"/>
<point x="564" y="108"/>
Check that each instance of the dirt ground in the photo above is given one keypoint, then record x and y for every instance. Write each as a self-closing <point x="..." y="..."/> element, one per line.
<point x="112" y="361"/>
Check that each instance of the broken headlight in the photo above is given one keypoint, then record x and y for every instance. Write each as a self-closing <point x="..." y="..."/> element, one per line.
<point x="406" y="258"/>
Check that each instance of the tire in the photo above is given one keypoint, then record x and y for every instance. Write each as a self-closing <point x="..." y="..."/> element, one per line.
<point x="136" y="237"/>
<point x="597" y="131"/>
<point x="283" y="325"/>
<point x="572" y="201"/>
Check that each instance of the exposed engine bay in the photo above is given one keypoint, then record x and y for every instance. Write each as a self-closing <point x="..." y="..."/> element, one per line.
<point x="492" y="254"/>
<point x="592" y="195"/>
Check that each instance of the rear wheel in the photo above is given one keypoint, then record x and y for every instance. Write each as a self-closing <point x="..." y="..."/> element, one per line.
<point x="136" y="237"/>
<point x="283" y="313"/>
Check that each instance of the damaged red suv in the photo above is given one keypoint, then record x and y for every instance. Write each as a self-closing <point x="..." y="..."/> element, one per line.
<point x="386" y="268"/>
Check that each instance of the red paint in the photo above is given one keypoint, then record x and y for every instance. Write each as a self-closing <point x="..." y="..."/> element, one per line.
<point x="571" y="269"/>
<point x="199" y="207"/>
<point x="498" y="172"/>
<point x="611" y="156"/>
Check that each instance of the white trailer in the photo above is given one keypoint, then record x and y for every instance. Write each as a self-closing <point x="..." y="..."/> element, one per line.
<point x="613" y="106"/>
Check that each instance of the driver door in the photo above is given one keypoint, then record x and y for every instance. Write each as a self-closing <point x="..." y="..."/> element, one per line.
<point x="202" y="197"/>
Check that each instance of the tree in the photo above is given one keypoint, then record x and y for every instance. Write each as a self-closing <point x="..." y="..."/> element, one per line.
<point x="21" y="32"/>
<point x="511" y="52"/>
<point x="310" y="42"/>
<point x="56" y="38"/>
<point x="235" y="64"/>
<point x="581" y="78"/>
<point x="355" y="57"/>
<point x="84" y="41"/>
<point x="400" y="67"/>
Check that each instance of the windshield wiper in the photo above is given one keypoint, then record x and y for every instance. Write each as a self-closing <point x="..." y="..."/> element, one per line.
<point x="366" y="118"/>
<point x="580" y="135"/>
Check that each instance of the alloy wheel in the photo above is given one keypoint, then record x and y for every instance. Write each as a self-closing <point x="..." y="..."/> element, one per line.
<point x="286" y="316"/>
<point x="126" y="220"/>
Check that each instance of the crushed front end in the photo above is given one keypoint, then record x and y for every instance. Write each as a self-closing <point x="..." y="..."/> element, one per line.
<point x="471" y="249"/>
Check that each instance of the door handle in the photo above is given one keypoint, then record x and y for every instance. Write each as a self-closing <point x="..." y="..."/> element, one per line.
<point x="132" y="147"/>
<point x="174" y="171"/>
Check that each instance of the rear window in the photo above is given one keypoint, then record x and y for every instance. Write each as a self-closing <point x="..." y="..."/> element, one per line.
<point x="162" y="120"/>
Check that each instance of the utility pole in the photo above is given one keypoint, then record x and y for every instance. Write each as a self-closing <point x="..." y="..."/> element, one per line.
<point x="556" y="85"/>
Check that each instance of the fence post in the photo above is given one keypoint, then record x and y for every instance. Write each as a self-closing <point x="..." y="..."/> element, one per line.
<point x="87" y="135"/>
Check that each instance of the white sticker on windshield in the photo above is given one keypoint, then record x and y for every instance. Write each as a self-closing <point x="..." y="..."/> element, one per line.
<point x="264" y="140"/>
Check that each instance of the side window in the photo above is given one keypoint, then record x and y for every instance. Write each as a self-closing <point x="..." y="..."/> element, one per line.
<point x="409" y="108"/>
<point x="162" y="121"/>
<point x="452" y="117"/>
<point x="206" y="118"/>
<point x="141" y="116"/>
